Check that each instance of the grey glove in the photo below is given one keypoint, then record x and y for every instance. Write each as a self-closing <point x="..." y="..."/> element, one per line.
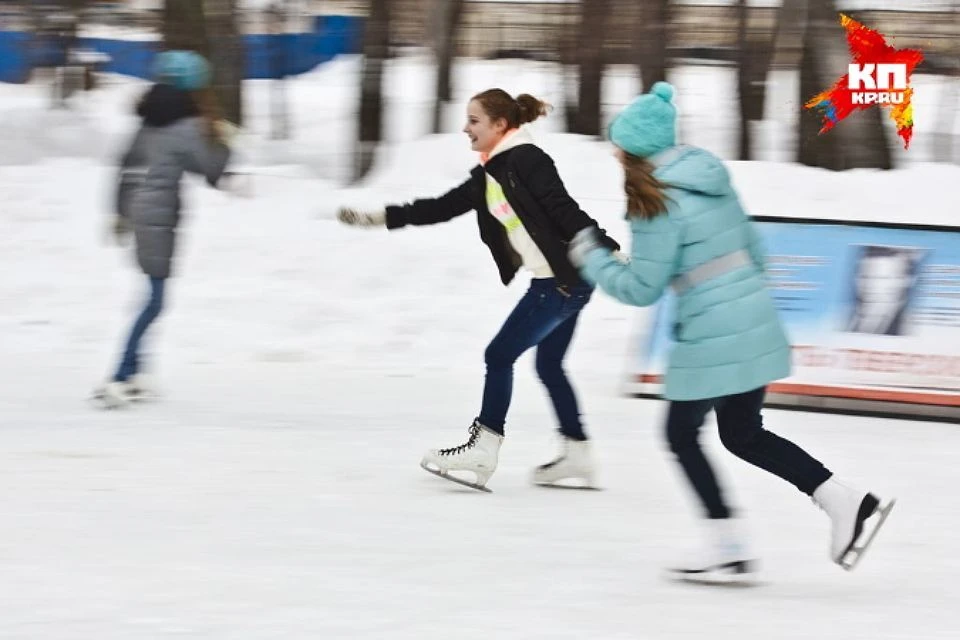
<point x="355" y="218"/>
<point x="585" y="241"/>
<point x="227" y="131"/>
<point x="121" y="229"/>
<point x="236" y="183"/>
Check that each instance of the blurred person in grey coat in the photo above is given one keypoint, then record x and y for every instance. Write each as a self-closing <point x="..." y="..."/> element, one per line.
<point x="181" y="132"/>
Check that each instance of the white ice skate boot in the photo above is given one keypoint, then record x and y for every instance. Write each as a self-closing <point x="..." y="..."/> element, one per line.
<point x="724" y="559"/>
<point x="141" y="387"/>
<point x="478" y="455"/>
<point x="112" y="395"/>
<point x="574" y="463"/>
<point x="856" y="517"/>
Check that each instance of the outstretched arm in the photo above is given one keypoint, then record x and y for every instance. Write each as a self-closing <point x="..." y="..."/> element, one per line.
<point x="643" y="280"/>
<point x="425" y="211"/>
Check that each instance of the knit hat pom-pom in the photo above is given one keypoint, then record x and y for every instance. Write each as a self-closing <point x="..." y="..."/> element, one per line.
<point x="664" y="90"/>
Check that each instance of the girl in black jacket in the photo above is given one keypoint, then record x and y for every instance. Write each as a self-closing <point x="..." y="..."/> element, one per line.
<point x="526" y="218"/>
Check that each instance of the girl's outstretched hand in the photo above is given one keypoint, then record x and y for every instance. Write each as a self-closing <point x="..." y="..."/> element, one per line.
<point x="355" y="218"/>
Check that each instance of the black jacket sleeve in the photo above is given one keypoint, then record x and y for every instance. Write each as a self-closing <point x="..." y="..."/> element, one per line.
<point x="424" y="211"/>
<point x="539" y="175"/>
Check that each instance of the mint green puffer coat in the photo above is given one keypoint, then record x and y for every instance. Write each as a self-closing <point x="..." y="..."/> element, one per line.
<point x="729" y="338"/>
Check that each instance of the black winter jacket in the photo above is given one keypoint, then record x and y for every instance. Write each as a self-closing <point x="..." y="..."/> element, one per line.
<point x="535" y="192"/>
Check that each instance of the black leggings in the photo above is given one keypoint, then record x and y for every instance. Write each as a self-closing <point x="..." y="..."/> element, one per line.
<point x="742" y="433"/>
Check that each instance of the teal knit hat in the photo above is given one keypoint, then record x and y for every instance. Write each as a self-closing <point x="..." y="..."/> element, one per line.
<point x="185" y="70"/>
<point x="648" y="124"/>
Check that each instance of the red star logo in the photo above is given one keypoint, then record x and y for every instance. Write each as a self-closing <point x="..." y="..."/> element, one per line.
<point x="868" y="47"/>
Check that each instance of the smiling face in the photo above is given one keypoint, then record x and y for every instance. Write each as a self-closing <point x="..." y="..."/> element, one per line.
<point x="483" y="132"/>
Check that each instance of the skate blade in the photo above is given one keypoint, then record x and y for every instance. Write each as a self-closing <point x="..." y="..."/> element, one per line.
<point x="142" y="397"/>
<point x="105" y="402"/>
<point x="715" y="578"/>
<point x="568" y="487"/>
<point x="447" y="476"/>
<point x="852" y="557"/>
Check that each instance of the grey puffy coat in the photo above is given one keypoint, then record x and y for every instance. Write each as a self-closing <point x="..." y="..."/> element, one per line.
<point x="171" y="140"/>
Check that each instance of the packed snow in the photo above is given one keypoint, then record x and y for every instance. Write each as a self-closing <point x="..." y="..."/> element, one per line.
<point x="274" y="490"/>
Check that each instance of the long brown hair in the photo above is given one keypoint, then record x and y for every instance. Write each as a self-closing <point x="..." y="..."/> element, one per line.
<point x="497" y="103"/>
<point x="210" y="111"/>
<point x="646" y="197"/>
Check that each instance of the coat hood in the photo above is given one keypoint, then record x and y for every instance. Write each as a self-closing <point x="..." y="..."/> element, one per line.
<point x="692" y="169"/>
<point x="163" y="105"/>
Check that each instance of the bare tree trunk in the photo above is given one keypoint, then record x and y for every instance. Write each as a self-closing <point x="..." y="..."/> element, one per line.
<point x="60" y="22"/>
<point x="754" y="58"/>
<point x="943" y="147"/>
<point x="791" y="27"/>
<point x="376" y="50"/>
<point x="226" y="56"/>
<point x="278" y="15"/>
<point x="184" y="26"/>
<point x="743" y="79"/>
<point x="210" y="27"/>
<point x="860" y="140"/>
<point x="447" y="14"/>
<point x="590" y="47"/>
<point x="652" y="43"/>
<point x="568" y="55"/>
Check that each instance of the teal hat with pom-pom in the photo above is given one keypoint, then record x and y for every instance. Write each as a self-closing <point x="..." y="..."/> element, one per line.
<point x="648" y="124"/>
<point x="185" y="70"/>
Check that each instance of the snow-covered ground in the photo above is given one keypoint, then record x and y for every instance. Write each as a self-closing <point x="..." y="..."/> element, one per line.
<point x="275" y="493"/>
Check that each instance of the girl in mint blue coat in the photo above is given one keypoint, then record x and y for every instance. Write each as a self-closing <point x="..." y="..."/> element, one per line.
<point x="690" y="233"/>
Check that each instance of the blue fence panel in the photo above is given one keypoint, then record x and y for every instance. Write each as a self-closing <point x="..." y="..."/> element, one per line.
<point x="337" y="35"/>
<point x="47" y="51"/>
<point x="127" y="57"/>
<point x="258" y="52"/>
<point x="14" y="57"/>
<point x="266" y="55"/>
<point x="278" y="55"/>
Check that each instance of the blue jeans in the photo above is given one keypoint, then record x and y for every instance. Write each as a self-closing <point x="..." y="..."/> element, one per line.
<point x="544" y="317"/>
<point x="742" y="433"/>
<point x="130" y="364"/>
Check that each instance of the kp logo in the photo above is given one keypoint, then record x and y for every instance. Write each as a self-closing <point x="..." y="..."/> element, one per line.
<point x="879" y="76"/>
<point x="865" y="82"/>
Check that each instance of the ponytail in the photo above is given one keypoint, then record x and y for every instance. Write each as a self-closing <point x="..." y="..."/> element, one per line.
<point x="497" y="103"/>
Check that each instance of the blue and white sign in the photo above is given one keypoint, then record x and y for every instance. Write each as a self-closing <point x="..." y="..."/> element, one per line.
<point x="872" y="312"/>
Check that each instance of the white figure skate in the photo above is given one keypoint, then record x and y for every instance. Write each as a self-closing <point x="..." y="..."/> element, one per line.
<point x="574" y="463"/>
<point x="478" y="455"/>
<point x="856" y="517"/>
<point x="723" y="560"/>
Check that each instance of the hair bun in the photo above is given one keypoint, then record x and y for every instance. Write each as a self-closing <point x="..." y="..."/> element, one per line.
<point x="663" y="90"/>
<point x="530" y="108"/>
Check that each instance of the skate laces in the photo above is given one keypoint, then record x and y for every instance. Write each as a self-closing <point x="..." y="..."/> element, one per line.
<point x="474" y="432"/>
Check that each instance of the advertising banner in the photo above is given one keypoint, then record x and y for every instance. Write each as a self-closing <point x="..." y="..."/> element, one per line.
<point x="872" y="312"/>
